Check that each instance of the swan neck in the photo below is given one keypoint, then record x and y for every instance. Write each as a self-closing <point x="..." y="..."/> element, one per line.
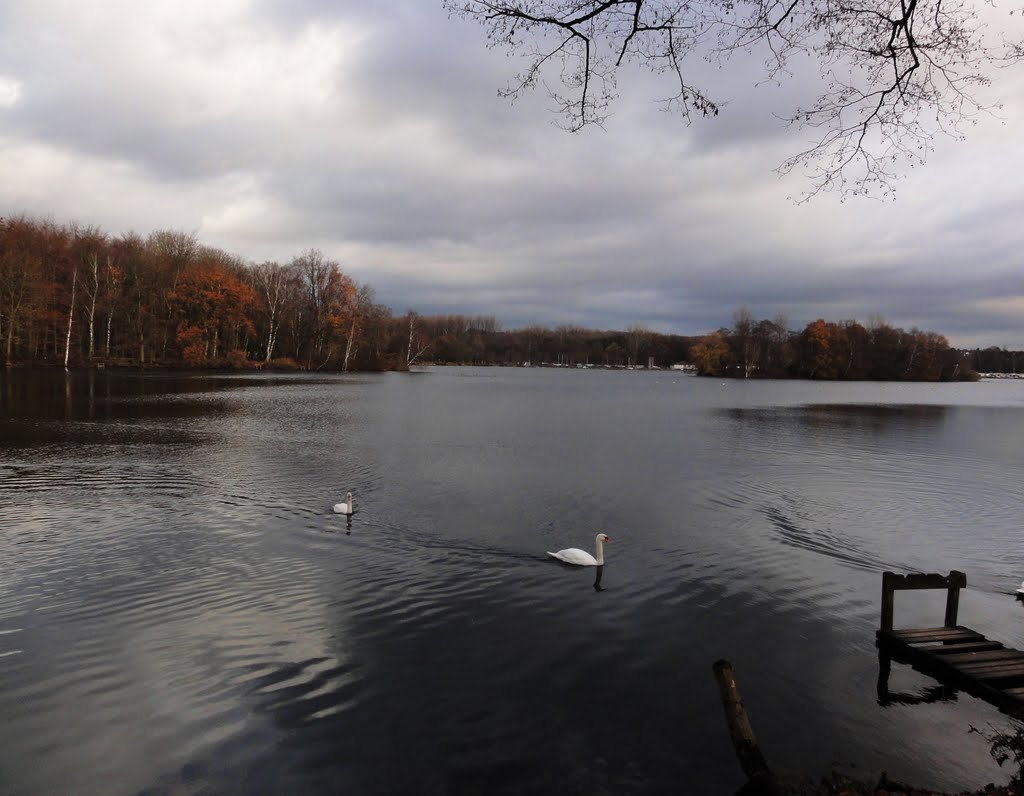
<point x="600" y="552"/>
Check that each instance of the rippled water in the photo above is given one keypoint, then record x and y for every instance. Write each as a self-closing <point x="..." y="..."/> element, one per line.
<point x="181" y="612"/>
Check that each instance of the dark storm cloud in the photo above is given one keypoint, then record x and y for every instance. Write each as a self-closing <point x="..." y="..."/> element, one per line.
<point x="375" y="133"/>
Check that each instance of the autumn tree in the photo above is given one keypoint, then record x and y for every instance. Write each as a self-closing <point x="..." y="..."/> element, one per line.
<point x="853" y="349"/>
<point x="52" y="307"/>
<point x="376" y="325"/>
<point x="895" y="74"/>
<point x="141" y="294"/>
<point x="20" y="267"/>
<point x="886" y="352"/>
<point x="169" y="252"/>
<point x="328" y="295"/>
<point x="928" y="356"/>
<point x="710" y="355"/>
<point x="209" y="303"/>
<point x="818" y="340"/>
<point x="772" y="346"/>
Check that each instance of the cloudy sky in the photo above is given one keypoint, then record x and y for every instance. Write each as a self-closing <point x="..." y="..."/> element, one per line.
<point x="373" y="131"/>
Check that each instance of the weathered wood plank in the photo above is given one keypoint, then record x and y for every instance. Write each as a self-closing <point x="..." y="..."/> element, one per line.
<point x="983" y="657"/>
<point x="1007" y="672"/>
<point x="925" y="635"/>
<point x="993" y="672"/>
<point x="922" y="580"/>
<point x="910" y="632"/>
<point x="973" y="666"/>
<point x="957" y="648"/>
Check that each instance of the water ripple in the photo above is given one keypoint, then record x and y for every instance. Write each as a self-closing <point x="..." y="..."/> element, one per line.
<point x="192" y="617"/>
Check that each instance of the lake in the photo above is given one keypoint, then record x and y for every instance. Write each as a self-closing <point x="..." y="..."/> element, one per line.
<point x="182" y="612"/>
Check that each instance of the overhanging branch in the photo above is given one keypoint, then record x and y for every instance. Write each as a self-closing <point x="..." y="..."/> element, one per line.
<point x="896" y="72"/>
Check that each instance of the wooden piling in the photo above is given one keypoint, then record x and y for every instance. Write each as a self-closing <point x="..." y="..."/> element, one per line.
<point x="752" y="761"/>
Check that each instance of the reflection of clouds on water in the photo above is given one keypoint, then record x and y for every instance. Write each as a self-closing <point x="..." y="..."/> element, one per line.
<point x="6" y="642"/>
<point x="214" y="576"/>
<point x="876" y="486"/>
<point x="867" y="417"/>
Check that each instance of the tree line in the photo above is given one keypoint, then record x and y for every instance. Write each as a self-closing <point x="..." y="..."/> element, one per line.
<point x="750" y="348"/>
<point x="996" y="360"/>
<point x="461" y="340"/>
<point x="829" y="350"/>
<point x="77" y="296"/>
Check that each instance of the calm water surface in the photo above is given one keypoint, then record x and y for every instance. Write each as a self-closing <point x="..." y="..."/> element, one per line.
<point x="181" y="612"/>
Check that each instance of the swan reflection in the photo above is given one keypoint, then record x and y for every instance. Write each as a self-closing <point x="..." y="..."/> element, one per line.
<point x="597" y="578"/>
<point x="332" y="528"/>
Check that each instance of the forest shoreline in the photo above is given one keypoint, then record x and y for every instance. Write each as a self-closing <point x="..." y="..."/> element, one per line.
<point x="77" y="296"/>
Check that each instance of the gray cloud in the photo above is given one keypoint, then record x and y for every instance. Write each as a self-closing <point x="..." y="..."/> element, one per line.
<point x="375" y="133"/>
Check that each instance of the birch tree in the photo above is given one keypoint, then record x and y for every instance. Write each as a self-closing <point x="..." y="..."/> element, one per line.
<point x="418" y="342"/>
<point x="361" y="303"/>
<point x="272" y="280"/>
<point x="111" y="295"/>
<point x="89" y="245"/>
<point x="71" y="316"/>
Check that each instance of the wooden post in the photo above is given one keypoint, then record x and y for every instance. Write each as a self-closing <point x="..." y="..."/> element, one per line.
<point x="956" y="581"/>
<point x="742" y="734"/>
<point x="884" y="669"/>
<point x="887" y="593"/>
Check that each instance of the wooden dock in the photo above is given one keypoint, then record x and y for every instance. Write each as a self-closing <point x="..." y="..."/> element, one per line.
<point x="956" y="656"/>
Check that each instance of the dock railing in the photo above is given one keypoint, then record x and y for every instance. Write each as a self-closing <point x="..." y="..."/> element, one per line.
<point x="952" y="583"/>
<point x="961" y="659"/>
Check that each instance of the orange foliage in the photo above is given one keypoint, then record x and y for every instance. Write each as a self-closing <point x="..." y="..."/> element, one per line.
<point x="210" y="303"/>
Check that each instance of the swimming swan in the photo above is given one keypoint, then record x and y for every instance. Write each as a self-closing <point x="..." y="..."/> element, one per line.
<point x="346" y="507"/>
<point x="1020" y="591"/>
<point x="581" y="558"/>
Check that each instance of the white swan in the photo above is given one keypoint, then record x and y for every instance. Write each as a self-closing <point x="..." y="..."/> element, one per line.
<point x="1020" y="591"/>
<point x="581" y="558"/>
<point x="346" y="507"/>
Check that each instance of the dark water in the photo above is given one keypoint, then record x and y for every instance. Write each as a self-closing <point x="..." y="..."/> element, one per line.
<point x="181" y="612"/>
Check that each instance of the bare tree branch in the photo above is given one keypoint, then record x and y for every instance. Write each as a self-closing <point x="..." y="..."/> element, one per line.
<point x="896" y="73"/>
